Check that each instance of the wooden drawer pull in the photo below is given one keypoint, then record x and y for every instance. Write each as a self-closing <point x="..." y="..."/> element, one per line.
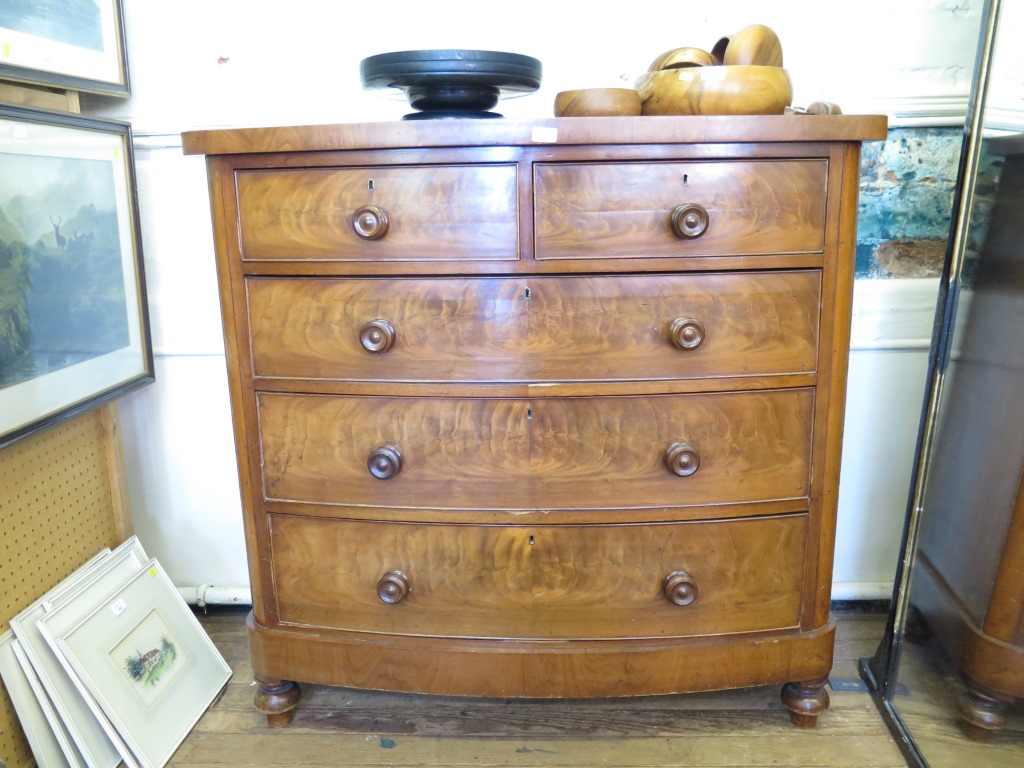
<point x="393" y="587"/>
<point x="686" y="333"/>
<point x="370" y="222"/>
<point x="689" y="221"/>
<point x="682" y="459"/>
<point x="377" y="336"/>
<point x="680" y="588"/>
<point x="385" y="462"/>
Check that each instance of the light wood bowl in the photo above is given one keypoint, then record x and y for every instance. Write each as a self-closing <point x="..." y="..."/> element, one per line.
<point x="724" y="90"/>
<point x="597" y="102"/>
<point x="683" y="57"/>
<point x="754" y="45"/>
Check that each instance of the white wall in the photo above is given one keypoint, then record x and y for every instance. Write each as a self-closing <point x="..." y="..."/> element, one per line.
<point x="254" y="62"/>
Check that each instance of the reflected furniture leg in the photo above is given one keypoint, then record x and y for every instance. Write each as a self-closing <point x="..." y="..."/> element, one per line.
<point x="982" y="712"/>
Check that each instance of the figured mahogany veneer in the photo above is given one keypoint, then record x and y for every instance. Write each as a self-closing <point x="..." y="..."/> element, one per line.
<point x="719" y="208"/>
<point x="539" y="408"/>
<point x="543" y="453"/>
<point x="537" y="329"/>
<point x="539" y="582"/>
<point x="466" y="212"/>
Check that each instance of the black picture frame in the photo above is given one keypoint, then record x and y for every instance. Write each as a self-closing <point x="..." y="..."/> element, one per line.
<point x="75" y="45"/>
<point x="74" y="319"/>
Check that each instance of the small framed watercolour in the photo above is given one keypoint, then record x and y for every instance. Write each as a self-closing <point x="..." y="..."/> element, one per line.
<point x="72" y="44"/>
<point x="148" y="663"/>
<point x="49" y="742"/>
<point x="74" y="323"/>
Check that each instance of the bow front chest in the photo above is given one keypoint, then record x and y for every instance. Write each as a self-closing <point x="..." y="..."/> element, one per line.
<point x="539" y="408"/>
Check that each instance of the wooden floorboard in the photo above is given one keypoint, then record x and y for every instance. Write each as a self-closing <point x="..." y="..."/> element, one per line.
<point x="746" y="728"/>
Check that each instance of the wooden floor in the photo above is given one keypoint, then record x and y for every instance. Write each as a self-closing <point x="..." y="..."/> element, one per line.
<point x="740" y="729"/>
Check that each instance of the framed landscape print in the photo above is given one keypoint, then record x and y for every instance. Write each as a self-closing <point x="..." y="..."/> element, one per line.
<point x="74" y="323"/>
<point x="72" y="44"/>
<point x="148" y="663"/>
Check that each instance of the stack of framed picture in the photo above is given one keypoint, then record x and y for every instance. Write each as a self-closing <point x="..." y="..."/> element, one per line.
<point x="74" y="324"/>
<point x="109" y="666"/>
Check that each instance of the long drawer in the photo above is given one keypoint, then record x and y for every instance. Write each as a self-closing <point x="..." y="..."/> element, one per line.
<point x="412" y="213"/>
<point x="545" y="453"/>
<point x="628" y="327"/>
<point x="579" y="582"/>
<point x="679" y="209"/>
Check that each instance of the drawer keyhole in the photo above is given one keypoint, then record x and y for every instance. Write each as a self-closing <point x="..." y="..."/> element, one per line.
<point x="531" y="541"/>
<point x="369" y="185"/>
<point x="526" y="293"/>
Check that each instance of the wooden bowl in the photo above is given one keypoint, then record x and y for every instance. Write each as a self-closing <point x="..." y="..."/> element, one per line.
<point x="597" y="102"/>
<point x="683" y="57"/>
<point x="724" y="90"/>
<point x="754" y="45"/>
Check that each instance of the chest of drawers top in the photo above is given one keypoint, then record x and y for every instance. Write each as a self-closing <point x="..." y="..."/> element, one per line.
<point x="516" y="196"/>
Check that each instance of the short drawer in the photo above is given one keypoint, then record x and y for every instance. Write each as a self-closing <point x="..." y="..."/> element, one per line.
<point x="409" y="213"/>
<point x="587" y="453"/>
<point x="579" y="582"/>
<point x="629" y="327"/>
<point x="721" y="208"/>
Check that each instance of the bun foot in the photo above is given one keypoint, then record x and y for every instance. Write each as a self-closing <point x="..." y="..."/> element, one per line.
<point x="805" y="700"/>
<point x="276" y="699"/>
<point x="982" y="713"/>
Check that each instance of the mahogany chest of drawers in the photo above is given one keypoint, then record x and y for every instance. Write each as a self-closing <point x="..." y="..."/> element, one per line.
<point x="543" y="408"/>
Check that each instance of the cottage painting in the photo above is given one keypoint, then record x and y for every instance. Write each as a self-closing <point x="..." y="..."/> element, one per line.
<point x="62" y="283"/>
<point x="150" y="658"/>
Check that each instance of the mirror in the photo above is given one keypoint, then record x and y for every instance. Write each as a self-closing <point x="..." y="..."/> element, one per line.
<point x="949" y="674"/>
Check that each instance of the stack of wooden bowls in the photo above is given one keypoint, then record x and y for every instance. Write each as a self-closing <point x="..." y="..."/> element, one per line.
<point x="741" y="75"/>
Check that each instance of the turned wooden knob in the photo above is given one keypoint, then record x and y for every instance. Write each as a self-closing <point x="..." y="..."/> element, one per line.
<point x="686" y="333"/>
<point x="393" y="587"/>
<point x="682" y="459"/>
<point x="370" y="222"/>
<point x="377" y="336"/>
<point x="680" y="588"/>
<point x="385" y="462"/>
<point x="689" y="220"/>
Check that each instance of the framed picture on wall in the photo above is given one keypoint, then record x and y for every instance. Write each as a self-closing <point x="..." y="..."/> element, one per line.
<point x="72" y="44"/>
<point x="74" y="324"/>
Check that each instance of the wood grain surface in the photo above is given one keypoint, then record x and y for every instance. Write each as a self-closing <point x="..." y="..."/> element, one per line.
<point x="507" y="358"/>
<point x="539" y="582"/>
<point x="586" y="328"/>
<point x="524" y="132"/>
<point x="623" y="210"/>
<point x="448" y="213"/>
<point x="593" y="453"/>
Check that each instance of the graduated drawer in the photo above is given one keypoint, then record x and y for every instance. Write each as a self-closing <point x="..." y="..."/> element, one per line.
<point x="578" y="582"/>
<point x="625" y="210"/>
<point x="431" y="212"/>
<point x="536" y="329"/>
<point x="593" y="453"/>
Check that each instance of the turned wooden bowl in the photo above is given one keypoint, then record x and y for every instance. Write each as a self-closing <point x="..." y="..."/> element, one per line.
<point x="683" y="57"/>
<point x="723" y="90"/>
<point x="597" y="102"/>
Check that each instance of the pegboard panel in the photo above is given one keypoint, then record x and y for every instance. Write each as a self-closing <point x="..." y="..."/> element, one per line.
<point x="59" y="505"/>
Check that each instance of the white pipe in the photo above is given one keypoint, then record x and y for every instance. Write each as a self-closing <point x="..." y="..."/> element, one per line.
<point x="207" y="594"/>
